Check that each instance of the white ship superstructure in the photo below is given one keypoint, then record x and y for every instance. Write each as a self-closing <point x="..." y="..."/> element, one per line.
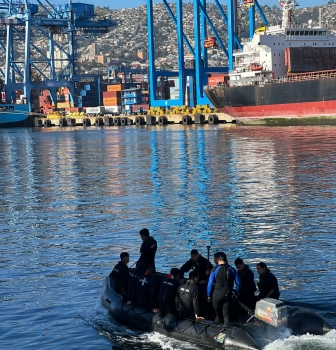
<point x="263" y="57"/>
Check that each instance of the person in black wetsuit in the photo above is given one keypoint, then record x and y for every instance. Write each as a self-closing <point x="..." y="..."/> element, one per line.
<point x="148" y="248"/>
<point x="187" y="298"/>
<point x="268" y="283"/>
<point x="199" y="264"/>
<point x="133" y="281"/>
<point x="216" y="260"/>
<point x="120" y="275"/>
<point x="146" y="291"/>
<point x="220" y="288"/>
<point x="167" y="293"/>
<point x="247" y="284"/>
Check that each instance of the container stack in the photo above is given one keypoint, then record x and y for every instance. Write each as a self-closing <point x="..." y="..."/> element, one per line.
<point x="174" y="88"/>
<point x="112" y="97"/>
<point x="131" y="97"/>
<point x="63" y="98"/>
<point x="45" y="102"/>
<point x="87" y="94"/>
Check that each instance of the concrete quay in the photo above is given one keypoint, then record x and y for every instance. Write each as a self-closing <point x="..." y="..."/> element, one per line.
<point x="123" y="120"/>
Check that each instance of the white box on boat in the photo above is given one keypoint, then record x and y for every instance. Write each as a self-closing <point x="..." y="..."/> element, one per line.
<point x="271" y="311"/>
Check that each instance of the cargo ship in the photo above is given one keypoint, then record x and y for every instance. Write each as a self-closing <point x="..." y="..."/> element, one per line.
<point x="284" y="73"/>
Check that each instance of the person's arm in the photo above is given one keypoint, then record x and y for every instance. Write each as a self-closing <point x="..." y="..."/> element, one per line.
<point x="186" y="267"/>
<point x="195" y="302"/>
<point x="236" y="279"/>
<point x="211" y="284"/>
<point x="125" y="281"/>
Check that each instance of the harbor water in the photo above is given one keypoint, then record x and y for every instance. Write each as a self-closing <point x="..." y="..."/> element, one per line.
<point x="72" y="199"/>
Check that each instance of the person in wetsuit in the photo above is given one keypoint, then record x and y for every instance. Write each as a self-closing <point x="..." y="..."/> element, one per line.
<point x="220" y="288"/>
<point x="134" y="276"/>
<point x="120" y="275"/>
<point x="268" y="283"/>
<point x="187" y="298"/>
<point x="216" y="260"/>
<point x="199" y="264"/>
<point x="148" y="248"/>
<point x="146" y="290"/>
<point x="247" y="284"/>
<point x="167" y="293"/>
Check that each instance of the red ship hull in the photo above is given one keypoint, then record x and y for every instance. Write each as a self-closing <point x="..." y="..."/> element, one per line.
<point x="285" y="110"/>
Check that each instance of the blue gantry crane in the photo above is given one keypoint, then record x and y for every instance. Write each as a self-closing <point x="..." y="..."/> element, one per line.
<point x="30" y="67"/>
<point x="197" y="77"/>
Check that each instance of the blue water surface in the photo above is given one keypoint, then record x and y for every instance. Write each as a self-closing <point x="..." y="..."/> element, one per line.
<point x="71" y="199"/>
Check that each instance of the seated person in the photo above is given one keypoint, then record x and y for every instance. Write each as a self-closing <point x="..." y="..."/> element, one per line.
<point x="167" y="293"/>
<point x="146" y="290"/>
<point x="120" y="275"/>
<point x="268" y="283"/>
<point x="199" y="264"/>
<point x="187" y="298"/>
<point x="134" y="276"/>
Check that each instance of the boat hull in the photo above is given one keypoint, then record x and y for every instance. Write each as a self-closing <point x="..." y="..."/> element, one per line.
<point x="284" y="100"/>
<point x="15" y="116"/>
<point x="251" y="335"/>
<point x="205" y="332"/>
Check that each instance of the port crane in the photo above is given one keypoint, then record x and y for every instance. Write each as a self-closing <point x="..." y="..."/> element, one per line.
<point x="31" y="67"/>
<point x="197" y="78"/>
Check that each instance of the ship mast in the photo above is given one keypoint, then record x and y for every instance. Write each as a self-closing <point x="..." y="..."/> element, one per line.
<point x="287" y="12"/>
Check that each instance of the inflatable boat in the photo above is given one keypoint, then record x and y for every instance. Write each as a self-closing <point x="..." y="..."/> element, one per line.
<point x="271" y="320"/>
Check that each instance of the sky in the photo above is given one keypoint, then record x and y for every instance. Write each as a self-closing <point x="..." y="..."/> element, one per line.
<point x="116" y="4"/>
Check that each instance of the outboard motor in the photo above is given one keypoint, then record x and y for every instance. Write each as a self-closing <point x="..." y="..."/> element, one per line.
<point x="272" y="312"/>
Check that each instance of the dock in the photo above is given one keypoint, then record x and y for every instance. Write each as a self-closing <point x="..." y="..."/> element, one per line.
<point x="125" y="120"/>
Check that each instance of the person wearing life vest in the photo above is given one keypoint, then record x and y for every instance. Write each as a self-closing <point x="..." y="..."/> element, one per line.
<point x="146" y="290"/>
<point x="148" y="248"/>
<point x="187" y="298"/>
<point x="134" y="276"/>
<point x="167" y="293"/>
<point x="120" y="275"/>
<point x="220" y="289"/>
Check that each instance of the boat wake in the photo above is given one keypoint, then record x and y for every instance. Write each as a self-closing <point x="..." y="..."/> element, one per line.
<point x="123" y="338"/>
<point x="305" y="342"/>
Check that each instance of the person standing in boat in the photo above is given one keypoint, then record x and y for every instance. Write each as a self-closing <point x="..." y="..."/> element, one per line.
<point x="146" y="290"/>
<point x="247" y="284"/>
<point x="120" y="275"/>
<point x="199" y="264"/>
<point x="216" y="260"/>
<point x="187" y="298"/>
<point x="168" y="291"/>
<point x="268" y="283"/>
<point x="220" y="288"/>
<point x="134" y="276"/>
<point x="148" y="248"/>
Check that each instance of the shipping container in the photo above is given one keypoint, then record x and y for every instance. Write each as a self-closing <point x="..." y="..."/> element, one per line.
<point x="108" y="94"/>
<point x="95" y="110"/>
<point x="112" y="101"/>
<point x="73" y="110"/>
<point x="137" y="108"/>
<point x="112" y="109"/>
<point x="115" y="87"/>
